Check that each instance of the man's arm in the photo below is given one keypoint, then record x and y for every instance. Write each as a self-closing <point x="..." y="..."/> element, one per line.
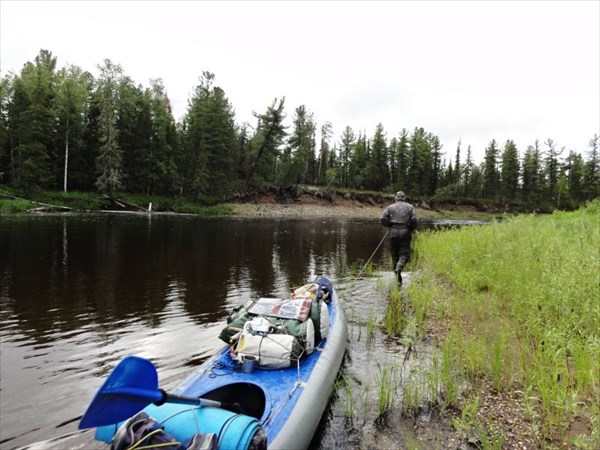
<point x="413" y="219"/>
<point x="385" y="218"/>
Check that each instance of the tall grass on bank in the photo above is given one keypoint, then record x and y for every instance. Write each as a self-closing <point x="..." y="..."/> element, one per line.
<point x="521" y="300"/>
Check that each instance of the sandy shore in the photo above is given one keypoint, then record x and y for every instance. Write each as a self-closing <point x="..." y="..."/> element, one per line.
<point x="303" y="210"/>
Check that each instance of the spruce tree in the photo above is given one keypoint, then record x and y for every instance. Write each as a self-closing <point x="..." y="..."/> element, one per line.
<point x="490" y="171"/>
<point x="377" y="165"/>
<point x="591" y="179"/>
<point x="402" y="158"/>
<point x="210" y="139"/>
<point x="109" y="163"/>
<point x="574" y="168"/>
<point x="347" y="142"/>
<point x="33" y="157"/>
<point x="510" y="170"/>
<point x="468" y="191"/>
<point x="457" y="167"/>
<point x="264" y="148"/>
<point x="532" y="173"/>
<point x="552" y="171"/>
<point x="73" y="85"/>
<point x="324" y="151"/>
<point x="301" y="148"/>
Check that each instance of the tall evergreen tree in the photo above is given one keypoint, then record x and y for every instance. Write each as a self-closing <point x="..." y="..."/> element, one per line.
<point x="265" y="145"/>
<point x="467" y="174"/>
<point x="134" y="125"/>
<point x="71" y="104"/>
<point x="243" y="151"/>
<point x="591" y="179"/>
<point x="358" y="177"/>
<point x="532" y="173"/>
<point x="33" y="123"/>
<point x="82" y="166"/>
<point x="109" y="163"/>
<point x="377" y="165"/>
<point x="419" y="181"/>
<point x="163" y="176"/>
<point x="490" y="171"/>
<point x="331" y="174"/>
<point x="574" y="169"/>
<point x="393" y="163"/>
<point x="6" y="86"/>
<point x="301" y="144"/>
<point x="552" y="170"/>
<point x="510" y="170"/>
<point x="457" y="168"/>
<point x="434" y="172"/>
<point x="324" y="151"/>
<point x="210" y="138"/>
<point x="347" y="142"/>
<point x="402" y="158"/>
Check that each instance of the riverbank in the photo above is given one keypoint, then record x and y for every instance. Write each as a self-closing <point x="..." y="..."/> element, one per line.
<point x="513" y="310"/>
<point x="306" y="205"/>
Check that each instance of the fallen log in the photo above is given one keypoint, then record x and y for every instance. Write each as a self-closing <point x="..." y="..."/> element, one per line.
<point x="123" y="204"/>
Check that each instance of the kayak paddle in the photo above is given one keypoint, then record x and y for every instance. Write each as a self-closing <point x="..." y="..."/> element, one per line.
<point x="130" y="387"/>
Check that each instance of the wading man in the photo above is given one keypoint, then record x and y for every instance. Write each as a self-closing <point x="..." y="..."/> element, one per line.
<point x="401" y="219"/>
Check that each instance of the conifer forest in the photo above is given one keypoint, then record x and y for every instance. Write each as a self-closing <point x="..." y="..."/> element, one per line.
<point x="63" y="129"/>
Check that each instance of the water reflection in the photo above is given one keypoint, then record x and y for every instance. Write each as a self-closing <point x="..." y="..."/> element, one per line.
<point x="78" y="293"/>
<point x="62" y="273"/>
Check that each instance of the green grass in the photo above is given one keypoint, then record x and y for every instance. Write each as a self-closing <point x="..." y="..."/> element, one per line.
<point x="386" y="389"/>
<point x="91" y="201"/>
<point x="8" y="206"/>
<point x="371" y="326"/>
<point x="520" y="301"/>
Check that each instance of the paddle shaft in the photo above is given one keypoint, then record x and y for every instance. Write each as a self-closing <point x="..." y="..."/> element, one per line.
<point x="172" y="398"/>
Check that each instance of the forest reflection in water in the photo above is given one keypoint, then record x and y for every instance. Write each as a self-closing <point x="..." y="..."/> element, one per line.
<point x="79" y="292"/>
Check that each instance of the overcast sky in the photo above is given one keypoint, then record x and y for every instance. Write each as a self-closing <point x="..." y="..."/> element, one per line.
<point x="470" y="70"/>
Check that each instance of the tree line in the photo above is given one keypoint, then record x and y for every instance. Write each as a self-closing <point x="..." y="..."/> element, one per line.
<point x="62" y="128"/>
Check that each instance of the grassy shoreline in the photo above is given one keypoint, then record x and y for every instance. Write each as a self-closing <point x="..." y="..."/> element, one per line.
<point x="514" y="307"/>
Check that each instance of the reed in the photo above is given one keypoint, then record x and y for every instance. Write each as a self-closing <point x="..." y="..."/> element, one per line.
<point x="468" y="416"/>
<point x="521" y="299"/>
<point x="386" y="389"/>
<point x="371" y="326"/>
<point x="395" y="318"/>
<point x="348" y="399"/>
<point x="488" y="440"/>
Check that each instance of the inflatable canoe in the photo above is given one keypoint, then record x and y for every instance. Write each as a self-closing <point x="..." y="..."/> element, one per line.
<point x="244" y="397"/>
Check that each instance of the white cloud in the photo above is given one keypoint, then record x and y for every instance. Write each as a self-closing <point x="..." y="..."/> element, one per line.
<point x="471" y="70"/>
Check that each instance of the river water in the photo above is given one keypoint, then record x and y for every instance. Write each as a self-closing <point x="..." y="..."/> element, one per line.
<point x="80" y="292"/>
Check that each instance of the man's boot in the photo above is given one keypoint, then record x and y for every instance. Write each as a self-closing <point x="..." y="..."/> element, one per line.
<point x="398" y="272"/>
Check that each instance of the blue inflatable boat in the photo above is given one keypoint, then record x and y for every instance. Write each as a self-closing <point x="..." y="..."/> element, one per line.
<point x="237" y="399"/>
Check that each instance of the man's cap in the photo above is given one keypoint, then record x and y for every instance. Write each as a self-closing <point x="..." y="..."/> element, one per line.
<point x="400" y="196"/>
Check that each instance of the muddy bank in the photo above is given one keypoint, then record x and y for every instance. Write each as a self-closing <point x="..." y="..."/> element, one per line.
<point x="315" y="203"/>
<point x="304" y="210"/>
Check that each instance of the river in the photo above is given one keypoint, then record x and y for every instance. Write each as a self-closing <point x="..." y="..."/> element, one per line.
<point x="80" y="292"/>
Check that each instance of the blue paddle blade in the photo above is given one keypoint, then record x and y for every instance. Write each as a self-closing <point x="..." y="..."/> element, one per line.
<point x="131" y="386"/>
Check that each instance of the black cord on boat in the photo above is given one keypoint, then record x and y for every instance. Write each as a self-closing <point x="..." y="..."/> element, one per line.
<point x="228" y="370"/>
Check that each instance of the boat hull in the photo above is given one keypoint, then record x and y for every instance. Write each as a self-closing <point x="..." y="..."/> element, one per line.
<point x="287" y="402"/>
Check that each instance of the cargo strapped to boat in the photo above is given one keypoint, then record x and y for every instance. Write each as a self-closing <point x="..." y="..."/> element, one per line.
<point x="304" y="316"/>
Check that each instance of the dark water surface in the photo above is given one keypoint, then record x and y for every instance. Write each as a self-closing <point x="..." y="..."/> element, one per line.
<point x="80" y="292"/>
